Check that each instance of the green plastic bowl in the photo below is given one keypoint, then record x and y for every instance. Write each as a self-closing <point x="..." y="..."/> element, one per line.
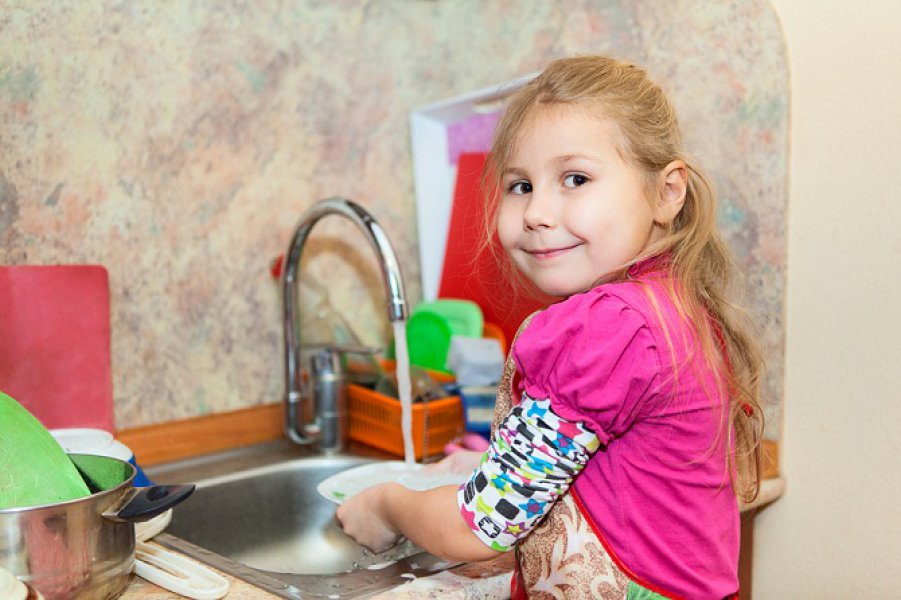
<point x="428" y="340"/>
<point x="34" y="468"/>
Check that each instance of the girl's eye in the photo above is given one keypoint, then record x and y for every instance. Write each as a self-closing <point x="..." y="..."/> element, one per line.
<point x="575" y="180"/>
<point x="520" y="188"/>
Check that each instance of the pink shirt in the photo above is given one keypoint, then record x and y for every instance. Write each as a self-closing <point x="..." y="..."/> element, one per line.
<point x="657" y="490"/>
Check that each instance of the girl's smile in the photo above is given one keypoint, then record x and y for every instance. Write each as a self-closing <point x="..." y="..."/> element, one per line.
<point x="548" y="253"/>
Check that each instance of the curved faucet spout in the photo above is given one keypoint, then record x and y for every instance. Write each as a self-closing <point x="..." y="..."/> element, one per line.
<point x="295" y="427"/>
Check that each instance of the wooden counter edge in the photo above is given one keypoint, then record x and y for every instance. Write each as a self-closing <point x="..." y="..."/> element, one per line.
<point x="187" y="438"/>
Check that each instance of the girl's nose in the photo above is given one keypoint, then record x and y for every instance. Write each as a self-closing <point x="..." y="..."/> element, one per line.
<point x="539" y="213"/>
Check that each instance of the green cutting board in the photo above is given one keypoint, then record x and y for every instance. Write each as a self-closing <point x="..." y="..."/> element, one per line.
<point x="34" y="469"/>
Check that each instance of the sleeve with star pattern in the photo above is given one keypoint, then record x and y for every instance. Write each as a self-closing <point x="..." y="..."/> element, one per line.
<point x="533" y="458"/>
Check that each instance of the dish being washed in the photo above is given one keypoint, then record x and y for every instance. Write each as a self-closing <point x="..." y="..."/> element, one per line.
<point x="346" y="484"/>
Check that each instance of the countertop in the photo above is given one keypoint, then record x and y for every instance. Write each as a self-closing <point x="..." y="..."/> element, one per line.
<point x="141" y="589"/>
<point x="483" y="580"/>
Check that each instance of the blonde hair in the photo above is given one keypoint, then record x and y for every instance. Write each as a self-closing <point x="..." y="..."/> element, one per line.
<point x="699" y="259"/>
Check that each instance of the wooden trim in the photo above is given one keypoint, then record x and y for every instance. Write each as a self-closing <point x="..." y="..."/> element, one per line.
<point x="175" y="440"/>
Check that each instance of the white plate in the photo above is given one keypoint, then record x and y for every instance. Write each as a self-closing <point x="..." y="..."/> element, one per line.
<point x="342" y="486"/>
<point x="82" y="441"/>
<point x="91" y="441"/>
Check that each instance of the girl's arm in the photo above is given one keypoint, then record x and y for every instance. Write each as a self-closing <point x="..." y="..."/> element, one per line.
<point x="377" y="516"/>
<point x="533" y="458"/>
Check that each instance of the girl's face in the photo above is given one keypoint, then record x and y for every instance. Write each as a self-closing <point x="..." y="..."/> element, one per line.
<point x="573" y="211"/>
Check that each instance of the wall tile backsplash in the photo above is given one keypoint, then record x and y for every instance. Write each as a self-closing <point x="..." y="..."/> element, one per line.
<point x="178" y="143"/>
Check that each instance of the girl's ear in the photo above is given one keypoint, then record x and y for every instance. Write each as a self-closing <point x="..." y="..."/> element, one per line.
<point x="672" y="183"/>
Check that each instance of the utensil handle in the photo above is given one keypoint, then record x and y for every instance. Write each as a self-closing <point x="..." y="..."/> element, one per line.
<point x="178" y="574"/>
<point x="142" y="504"/>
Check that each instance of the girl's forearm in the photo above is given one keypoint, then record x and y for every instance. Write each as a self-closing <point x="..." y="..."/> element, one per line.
<point x="432" y="521"/>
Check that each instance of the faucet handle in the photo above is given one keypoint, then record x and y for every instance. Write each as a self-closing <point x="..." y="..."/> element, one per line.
<point x="329" y="392"/>
<point x="325" y="359"/>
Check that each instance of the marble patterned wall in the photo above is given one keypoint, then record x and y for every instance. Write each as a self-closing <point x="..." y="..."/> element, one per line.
<point x="177" y="144"/>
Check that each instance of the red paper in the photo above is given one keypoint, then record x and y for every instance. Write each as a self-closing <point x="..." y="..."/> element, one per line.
<point x="471" y="274"/>
<point x="55" y="343"/>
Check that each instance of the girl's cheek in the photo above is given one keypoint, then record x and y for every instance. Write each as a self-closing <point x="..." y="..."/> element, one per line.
<point x="508" y="224"/>
<point x="507" y="241"/>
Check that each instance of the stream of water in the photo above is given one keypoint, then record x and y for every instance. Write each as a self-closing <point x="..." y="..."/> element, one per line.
<point x="404" y="388"/>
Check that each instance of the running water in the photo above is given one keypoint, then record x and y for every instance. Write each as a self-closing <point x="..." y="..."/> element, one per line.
<point x="404" y="388"/>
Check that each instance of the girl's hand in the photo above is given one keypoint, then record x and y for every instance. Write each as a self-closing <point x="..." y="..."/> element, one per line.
<point x="461" y="461"/>
<point x="363" y="518"/>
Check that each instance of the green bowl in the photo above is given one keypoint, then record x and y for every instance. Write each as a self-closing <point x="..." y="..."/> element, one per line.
<point x="428" y="340"/>
<point x="34" y="468"/>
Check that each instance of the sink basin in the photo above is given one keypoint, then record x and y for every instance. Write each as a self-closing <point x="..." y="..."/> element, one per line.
<point x="263" y="521"/>
<point x="274" y="519"/>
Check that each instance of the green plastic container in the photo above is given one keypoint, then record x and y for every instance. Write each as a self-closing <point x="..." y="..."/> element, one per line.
<point x="428" y="340"/>
<point x="464" y="316"/>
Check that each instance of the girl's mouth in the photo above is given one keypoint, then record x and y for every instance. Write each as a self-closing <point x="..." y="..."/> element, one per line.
<point x="546" y="253"/>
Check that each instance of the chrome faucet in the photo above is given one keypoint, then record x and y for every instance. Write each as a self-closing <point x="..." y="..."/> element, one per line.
<point x="327" y="383"/>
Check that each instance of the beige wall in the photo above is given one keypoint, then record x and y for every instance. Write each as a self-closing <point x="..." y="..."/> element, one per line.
<point x="837" y="532"/>
<point x="178" y="143"/>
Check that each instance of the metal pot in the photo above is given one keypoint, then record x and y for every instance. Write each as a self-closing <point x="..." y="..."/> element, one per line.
<point x="83" y="548"/>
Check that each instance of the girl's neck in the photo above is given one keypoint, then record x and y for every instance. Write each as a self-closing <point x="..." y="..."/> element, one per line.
<point x="658" y="262"/>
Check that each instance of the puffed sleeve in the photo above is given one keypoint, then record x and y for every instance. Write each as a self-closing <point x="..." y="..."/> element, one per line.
<point x="594" y="357"/>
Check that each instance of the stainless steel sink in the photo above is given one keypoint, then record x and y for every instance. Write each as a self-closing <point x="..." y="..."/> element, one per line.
<point x="273" y="518"/>
<point x="256" y="514"/>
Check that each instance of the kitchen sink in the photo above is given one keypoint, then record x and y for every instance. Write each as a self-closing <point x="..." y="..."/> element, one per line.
<point x="272" y="518"/>
<point x="256" y="515"/>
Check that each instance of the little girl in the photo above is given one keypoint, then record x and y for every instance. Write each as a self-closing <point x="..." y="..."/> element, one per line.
<point x="627" y="421"/>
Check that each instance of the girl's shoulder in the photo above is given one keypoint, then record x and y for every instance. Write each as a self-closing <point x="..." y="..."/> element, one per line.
<point x="605" y="317"/>
<point x="635" y="317"/>
<point x="641" y="303"/>
<point x="596" y="355"/>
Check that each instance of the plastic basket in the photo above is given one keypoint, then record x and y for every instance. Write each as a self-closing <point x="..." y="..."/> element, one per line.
<point x="375" y="420"/>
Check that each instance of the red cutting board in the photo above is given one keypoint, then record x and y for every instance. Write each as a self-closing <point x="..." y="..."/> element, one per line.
<point x="55" y="343"/>
<point x="473" y="274"/>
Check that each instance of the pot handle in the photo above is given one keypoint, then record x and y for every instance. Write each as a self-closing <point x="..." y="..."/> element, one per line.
<point x="142" y="504"/>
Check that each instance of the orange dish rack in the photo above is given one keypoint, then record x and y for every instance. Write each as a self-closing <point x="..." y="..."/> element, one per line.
<point x="375" y="420"/>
